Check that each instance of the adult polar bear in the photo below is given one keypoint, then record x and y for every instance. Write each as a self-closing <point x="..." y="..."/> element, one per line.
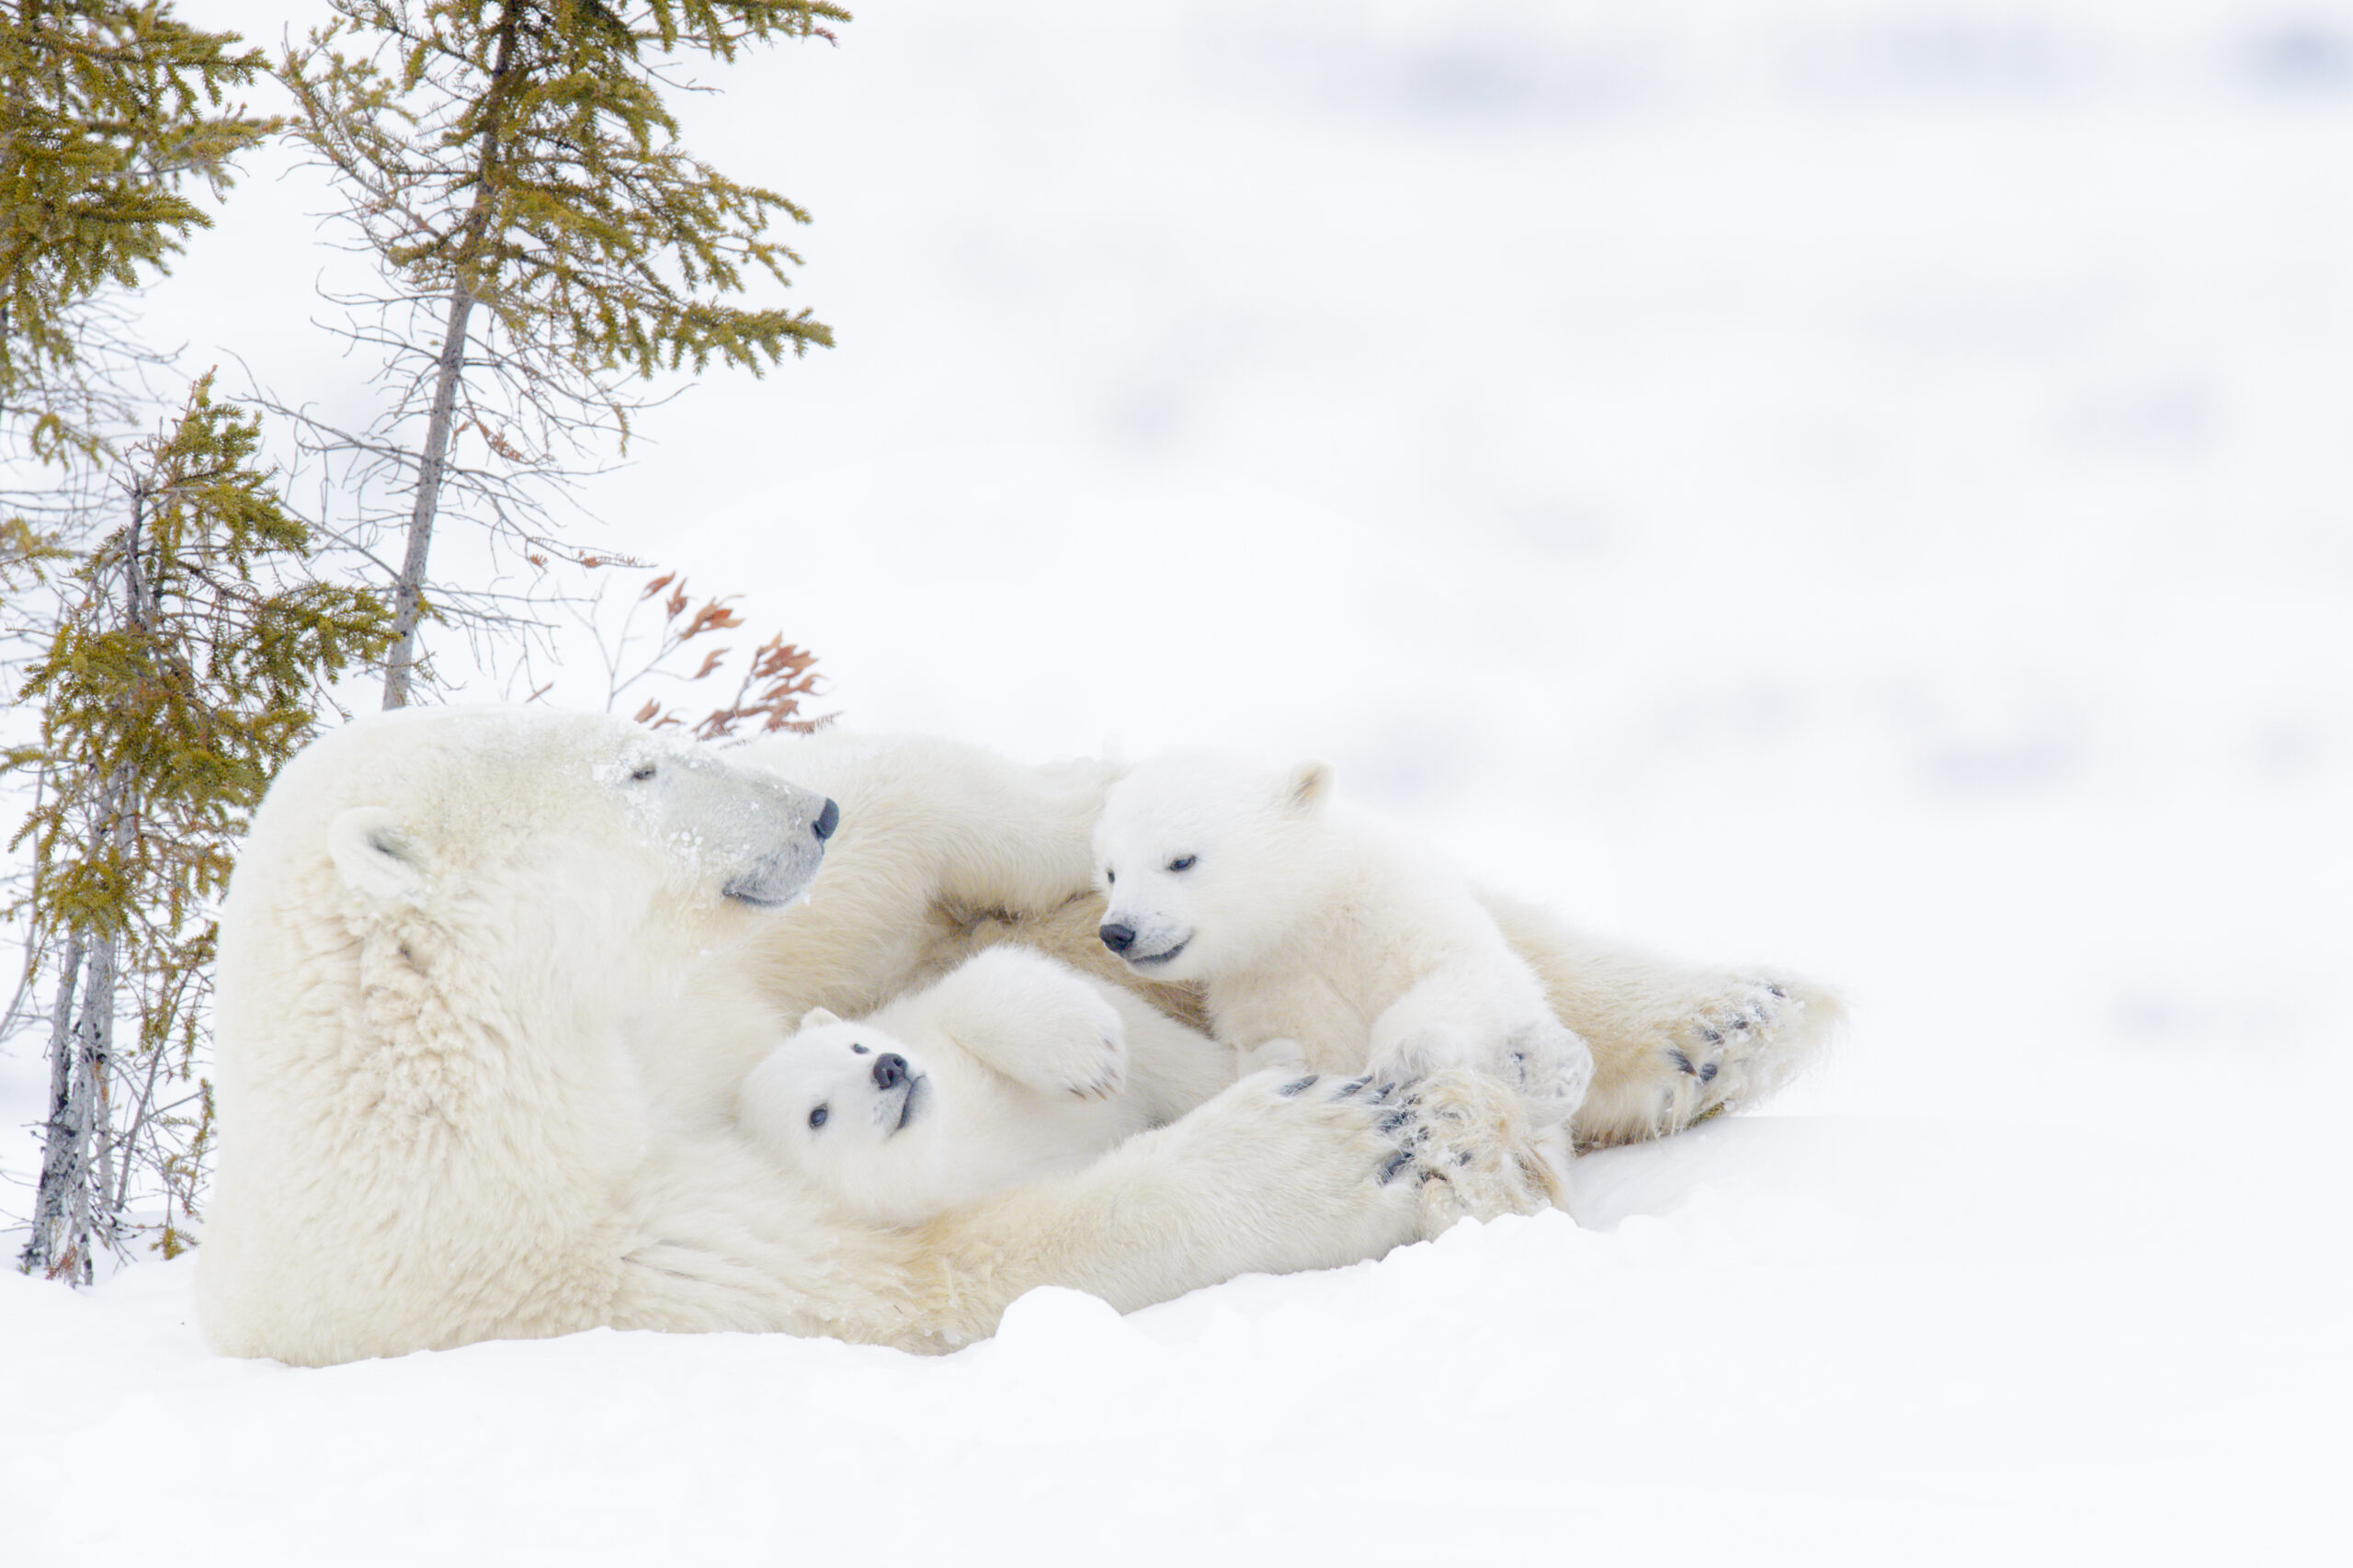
<point x="487" y="981"/>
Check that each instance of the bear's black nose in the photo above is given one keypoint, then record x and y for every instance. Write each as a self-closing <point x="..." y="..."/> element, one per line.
<point x="890" y="1070"/>
<point x="827" y="819"/>
<point x="1119" y="938"/>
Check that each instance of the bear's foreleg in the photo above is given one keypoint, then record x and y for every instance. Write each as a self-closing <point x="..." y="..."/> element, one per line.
<point x="1274" y="1175"/>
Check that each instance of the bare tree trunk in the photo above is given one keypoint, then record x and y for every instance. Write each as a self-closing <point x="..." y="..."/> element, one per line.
<point x="52" y="1243"/>
<point x="71" y="1214"/>
<point x="93" y="1218"/>
<point x="408" y="594"/>
<point x="73" y="1205"/>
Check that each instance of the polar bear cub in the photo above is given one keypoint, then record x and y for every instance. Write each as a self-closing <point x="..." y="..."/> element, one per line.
<point x="1012" y="1067"/>
<point x="1318" y="935"/>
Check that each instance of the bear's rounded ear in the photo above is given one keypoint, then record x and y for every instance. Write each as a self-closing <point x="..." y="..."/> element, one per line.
<point x="816" y="1018"/>
<point x="375" y="857"/>
<point x="1304" y="789"/>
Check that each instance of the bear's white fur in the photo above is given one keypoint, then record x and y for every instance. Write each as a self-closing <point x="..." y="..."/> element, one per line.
<point x="1320" y="934"/>
<point x="1011" y="1067"/>
<point x="478" y="1048"/>
<point x="488" y="982"/>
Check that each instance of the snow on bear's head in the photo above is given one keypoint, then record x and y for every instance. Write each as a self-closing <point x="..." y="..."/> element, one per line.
<point x="555" y="839"/>
<point x="1206" y="861"/>
<point x="859" y="1110"/>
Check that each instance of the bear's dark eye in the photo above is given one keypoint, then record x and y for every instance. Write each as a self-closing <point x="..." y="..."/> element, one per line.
<point x="1183" y="862"/>
<point x="859" y="1049"/>
<point x="641" y="772"/>
<point x="817" y="1116"/>
<point x="1111" y="877"/>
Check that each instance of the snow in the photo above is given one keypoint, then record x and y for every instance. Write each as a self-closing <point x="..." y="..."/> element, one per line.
<point x="1857" y="485"/>
<point x="1790" y="1339"/>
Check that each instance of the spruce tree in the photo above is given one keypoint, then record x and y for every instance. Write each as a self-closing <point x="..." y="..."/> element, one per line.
<point x="546" y="240"/>
<point x="108" y="109"/>
<point x="190" y="662"/>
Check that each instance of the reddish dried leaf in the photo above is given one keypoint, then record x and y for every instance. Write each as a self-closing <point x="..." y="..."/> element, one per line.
<point x="713" y="617"/>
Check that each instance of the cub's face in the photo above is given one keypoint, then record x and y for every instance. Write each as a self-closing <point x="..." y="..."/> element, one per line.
<point x="1202" y="861"/>
<point x="838" y="1097"/>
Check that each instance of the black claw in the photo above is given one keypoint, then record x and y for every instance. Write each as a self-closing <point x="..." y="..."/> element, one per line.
<point x="1288" y="1089"/>
<point x="1714" y="1037"/>
<point x="1395" y="1119"/>
<point x="1707" y="1073"/>
<point x="1464" y="1158"/>
<point x="1351" y="1086"/>
<point x="1395" y="1162"/>
<point x="1778" y="992"/>
<point x="1744" y="1021"/>
<point x="1681" y="1061"/>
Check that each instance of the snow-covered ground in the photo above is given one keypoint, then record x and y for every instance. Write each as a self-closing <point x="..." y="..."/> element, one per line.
<point x="1861" y="485"/>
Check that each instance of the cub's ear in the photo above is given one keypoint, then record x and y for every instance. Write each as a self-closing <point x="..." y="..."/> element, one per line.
<point x="1304" y="789"/>
<point x="816" y="1016"/>
<point x="375" y="857"/>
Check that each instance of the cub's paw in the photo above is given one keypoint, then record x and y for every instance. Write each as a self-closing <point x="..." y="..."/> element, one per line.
<point x="1479" y="1150"/>
<point x="1273" y="1055"/>
<point x="1552" y="1067"/>
<point x="1085" y="1054"/>
<point x="1544" y="1060"/>
<point x="1424" y="1051"/>
<point x="1064" y="1040"/>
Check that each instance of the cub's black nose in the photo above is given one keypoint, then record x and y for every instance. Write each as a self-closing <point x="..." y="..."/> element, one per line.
<point x="890" y="1070"/>
<point x="1117" y="938"/>
<point x="827" y="819"/>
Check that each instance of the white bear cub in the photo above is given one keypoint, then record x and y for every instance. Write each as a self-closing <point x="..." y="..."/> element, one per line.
<point x="1012" y="1067"/>
<point x="1320" y="936"/>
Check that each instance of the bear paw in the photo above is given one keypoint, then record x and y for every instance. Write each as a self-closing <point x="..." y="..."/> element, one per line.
<point x="1083" y="1056"/>
<point x="1288" y="1055"/>
<point x="1390" y="1123"/>
<point x="1480" y="1152"/>
<point x="1718" y="1055"/>
<point x="1063" y="1039"/>
<point x="1311" y="1170"/>
<point x="1548" y="1062"/>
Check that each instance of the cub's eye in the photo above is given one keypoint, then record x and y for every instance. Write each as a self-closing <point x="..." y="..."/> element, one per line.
<point x="859" y="1049"/>
<point x="817" y="1116"/>
<point x="1183" y="862"/>
<point x="641" y="772"/>
<point x="1111" y="877"/>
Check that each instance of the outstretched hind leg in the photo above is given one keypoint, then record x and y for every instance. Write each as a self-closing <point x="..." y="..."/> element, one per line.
<point x="1728" y="1040"/>
<point x="1671" y="1044"/>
